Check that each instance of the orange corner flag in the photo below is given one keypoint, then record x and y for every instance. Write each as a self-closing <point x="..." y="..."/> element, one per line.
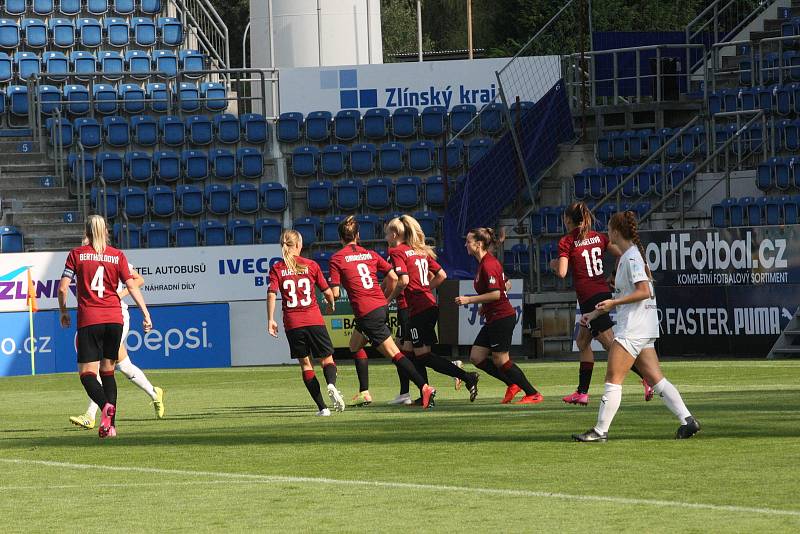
<point x="32" y="305"/>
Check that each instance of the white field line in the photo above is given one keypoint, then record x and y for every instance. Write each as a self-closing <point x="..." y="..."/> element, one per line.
<point x="255" y="478"/>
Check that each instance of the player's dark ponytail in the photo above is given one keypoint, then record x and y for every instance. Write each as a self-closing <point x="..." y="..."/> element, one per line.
<point x="626" y="224"/>
<point x="486" y="236"/>
<point x="348" y="229"/>
<point x="579" y="215"/>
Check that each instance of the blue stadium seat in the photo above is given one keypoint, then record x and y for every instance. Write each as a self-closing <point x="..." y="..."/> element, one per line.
<point x="50" y="99"/>
<point x="56" y="65"/>
<point x="406" y="192"/>
<point x="187" y="95"/>
<point x="90" y="32"/>
<point x="134" y="201"/>
<point x="737" y="210"/>
<point x="323" y="259"/>
<point x="362" y="158"/>
<point x="111" y="198"/>
<point x="308" y="228"/>
<point x="290" y="127"/>
<point x="250" y="162"/>
<point x="155" y="235"/>
<point x="367" y="226"/>
<point x="215" y="96"/>
<point x="213" y="233"/>
<point x="140" y="166"/>
<point x="432" y="121"/>
<point x="348" y="194"/>
<point x="133" y="97"/>
<point x="18" y="99"/>
<point x="304" y="161"/>
<point x="144" y="31"/>
<point x="62" y="125"/>
<point x="376" y="123"/>
<point x="460" y="117"/>
<point x="127" y="236"/>
<point x="218" y="199"/>
<point x="492" y="118"/>
<point x="765" y="174"/>
<point x="332" y="160"/>
<point x="192" y="62"/>
<point x="35" y="33"/>
<point x="753" y="211"/>
<point x="195" y="164"/>
<point x="428" y="221"/>
<point x="124" y="7"/>
<point x="190" y="200"/>
<point x="111" y="167"/>
<point x="420" y="156"/>
<point x="62" y="31"/>
<point x="223" y="164"/>
<point x="171" y="31"/>
<point x="404" y="122"/>
<point x="619" y="146"/>
<point x="145" y="130"/>
<point x="137" y="63"/>
<point x="116" y="131"/>
<point x="105" y="97"/>
<point x="274" y="197"/>
<point x="517" y="110"/>
<point x="173" y="130"/>
<point x="319" y="195"/>
<point x="522" y="256"/>
<point x="346" y="124"/>
<point x="43" y="7"/>
<point x="791" y="209"/>
<point x="165" y="62"/>
<point x="27" y="64"/>
<point x="268" y="231"/>
<point x="201" y="130"/>
<point x="9" y="34"/>
<point x="167" y="165"/>
<point x="226" y="128"/>
<point x="69" y="7"/>
<point x="157" y="94"/>
<point x="245" y="198"/>
<point x="773" y="210"/>
<point x="241" y="232"/>
<point x="784" y="172"/>
<point x="634" y="140"/>
<point x="7" y="67"/>
<point x="391" y="157"/>
<point x="162" y="200"/>
<point x="151" y="7"/>
<point x="117" y="31"/>
<point x="454" y="157"/>
<point x="477" y="149"/>
<point x="330" y="228"/>
<point x="83" y="63"/>
<point x="254" y="127"/>
<point x="183" y="234"/>
<point x="377" y="193"/>
<point x="85" y="162"/>
<point x="97" y="7"/>
<point x="318" y="126"/>
<point x="581" y="184"/>
<point x="435" y="191"/>
<point x="89" y="132"/>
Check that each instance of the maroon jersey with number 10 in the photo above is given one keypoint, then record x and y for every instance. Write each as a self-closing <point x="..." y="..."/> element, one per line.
<point x="586" y="262"/>
<point x="355" y="268"/>
<point x="491" y="277"/>
<point x="417" y="293"/>
<point x="97" y="277"/>
<point x="298" y="296"/>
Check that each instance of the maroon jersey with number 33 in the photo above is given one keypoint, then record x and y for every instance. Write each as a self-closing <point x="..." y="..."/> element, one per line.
<point x="298" y="294"/>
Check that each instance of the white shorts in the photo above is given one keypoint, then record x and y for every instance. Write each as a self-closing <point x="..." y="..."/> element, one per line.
<point x="635" y="346"/>
<point x="126" y="324"/>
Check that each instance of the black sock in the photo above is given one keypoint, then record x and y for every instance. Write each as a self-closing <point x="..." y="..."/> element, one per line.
<point x="312" y="385"/>
<point x="404" y="363"/>
<point x="110" y="389"/>
<point x="442" y="365"/>
<point x="93" y="389"/>
<point x="419" y="365"/>
<point x="635" y="370"/>
<point x="488" y="367"/>
<point x="403" y="378"/>
<point x="362" y="369"/>
<point x="516" y="375"/>
<point x="330" y="373"/>
<point x="585" y="376"/>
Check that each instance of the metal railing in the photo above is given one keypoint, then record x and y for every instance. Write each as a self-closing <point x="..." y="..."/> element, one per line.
<point x="757" y="51"/>
<point x="207" y="27"/>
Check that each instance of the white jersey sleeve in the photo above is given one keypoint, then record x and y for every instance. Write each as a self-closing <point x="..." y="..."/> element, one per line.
<point x="120" y="287"/>
<point x="637" y="320"/>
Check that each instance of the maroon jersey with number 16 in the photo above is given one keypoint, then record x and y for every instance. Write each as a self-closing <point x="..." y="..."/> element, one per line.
<point x="355" y="268"/>
<point x="586" y="262"/>
<point x="298" y="296"/>
<point x="97" y="277"/>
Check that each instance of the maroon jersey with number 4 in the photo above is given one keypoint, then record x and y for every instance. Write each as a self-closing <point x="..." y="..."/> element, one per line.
<point x="298" y="294"/>
<point x="491" y="277"/>
<point x="586" y="262"/>
<point x="416" y="265"/>
<point x="355" y="268"/>
<point x="97" y="277"/>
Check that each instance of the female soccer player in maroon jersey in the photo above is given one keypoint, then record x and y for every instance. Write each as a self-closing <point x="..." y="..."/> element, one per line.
<point x="581" y="251"/>
<point x="295" y="279"/>
<point x="495" y="337"/>
<point x="98" y="270"/>
<point x="355" y="268"/>
<point x="418" y="274"/>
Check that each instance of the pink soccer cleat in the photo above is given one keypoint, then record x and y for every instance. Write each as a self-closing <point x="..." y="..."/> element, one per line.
<point x="577" y="398"/>
<point x="105" y="421"/>
<point x="648" y="390"/>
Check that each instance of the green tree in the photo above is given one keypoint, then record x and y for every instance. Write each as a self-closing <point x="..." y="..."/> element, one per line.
<point x="236" y="15"/>
<point x="399" y="28"/>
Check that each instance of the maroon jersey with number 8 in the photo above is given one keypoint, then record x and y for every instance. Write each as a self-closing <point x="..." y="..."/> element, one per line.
<point x="586" y="262"/>
<point x="97" y="277"/>
<point x="355" y="268"/>
<point x="298" y="295"/>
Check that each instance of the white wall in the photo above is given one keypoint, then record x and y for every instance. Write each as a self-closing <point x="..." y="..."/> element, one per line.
<point x="250" y="342"/>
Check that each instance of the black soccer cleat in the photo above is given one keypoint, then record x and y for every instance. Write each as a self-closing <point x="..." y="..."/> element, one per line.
<point x="591" y="436"/>
<point x="688" y="430"/>
<point x="472" y="385"/>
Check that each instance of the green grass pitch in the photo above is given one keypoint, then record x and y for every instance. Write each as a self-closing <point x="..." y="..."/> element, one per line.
<point x="241" y="450"/>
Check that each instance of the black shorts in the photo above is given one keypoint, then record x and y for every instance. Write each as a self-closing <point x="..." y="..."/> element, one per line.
<point x="99" y="341"/>
<point x="423" y="328"/>
<point x="374" y="326"/>
<point x="309" y="341"/>
<point x="401" y="334"/>
<point x="497" y="336"/>
<point x="603" y="322"/>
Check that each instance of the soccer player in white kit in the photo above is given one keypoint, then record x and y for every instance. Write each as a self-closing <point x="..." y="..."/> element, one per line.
<point x="125" y="366"/>
<point x="635" y="334"/>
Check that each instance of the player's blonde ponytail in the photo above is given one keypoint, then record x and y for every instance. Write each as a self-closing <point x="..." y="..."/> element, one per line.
<point x="96" y="233"/>
<point x="289" y="240"/>
<point x="415" y="236"/>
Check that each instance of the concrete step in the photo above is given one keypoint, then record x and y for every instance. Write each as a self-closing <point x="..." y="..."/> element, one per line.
<point x="12" y="181"/>
<point x="24" y="218"/>
<point x="757" y="36"/>
<point x="26" y="206"/>
<point x="44" y="168"/>
<point x="54" y="230"/>
<point x="45" y="244"/>
<point x="16" y="159"/>
<point x="35" y="193"/>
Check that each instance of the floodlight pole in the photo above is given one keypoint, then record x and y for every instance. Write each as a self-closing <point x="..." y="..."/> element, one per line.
<point x="469" y="28"/>
<point x="419" y="28"/>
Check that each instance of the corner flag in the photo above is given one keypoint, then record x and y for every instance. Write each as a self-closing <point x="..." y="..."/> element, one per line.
<point x="32" y="307"/>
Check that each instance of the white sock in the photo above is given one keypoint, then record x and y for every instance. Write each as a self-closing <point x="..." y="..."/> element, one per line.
<point x="672" y="399"/>
<point x="136" y="376"/>
<point x="609" y="404"/>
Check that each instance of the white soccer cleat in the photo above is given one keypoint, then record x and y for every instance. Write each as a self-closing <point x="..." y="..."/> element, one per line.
<point x="404" y="399"/>
<point x="460" y="365"/>
<point x="325" y="412"/>
<point x="336" y="398"/>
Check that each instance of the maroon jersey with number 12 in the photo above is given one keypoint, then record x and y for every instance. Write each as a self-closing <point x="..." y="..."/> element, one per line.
<point x="298" y="296"/>
<point x="586" y="262"/>
<point x="491" y="277"/>
<point x="417" y="293"/>
<point x="97" y="277"/>
<point x="355" y="268"/>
